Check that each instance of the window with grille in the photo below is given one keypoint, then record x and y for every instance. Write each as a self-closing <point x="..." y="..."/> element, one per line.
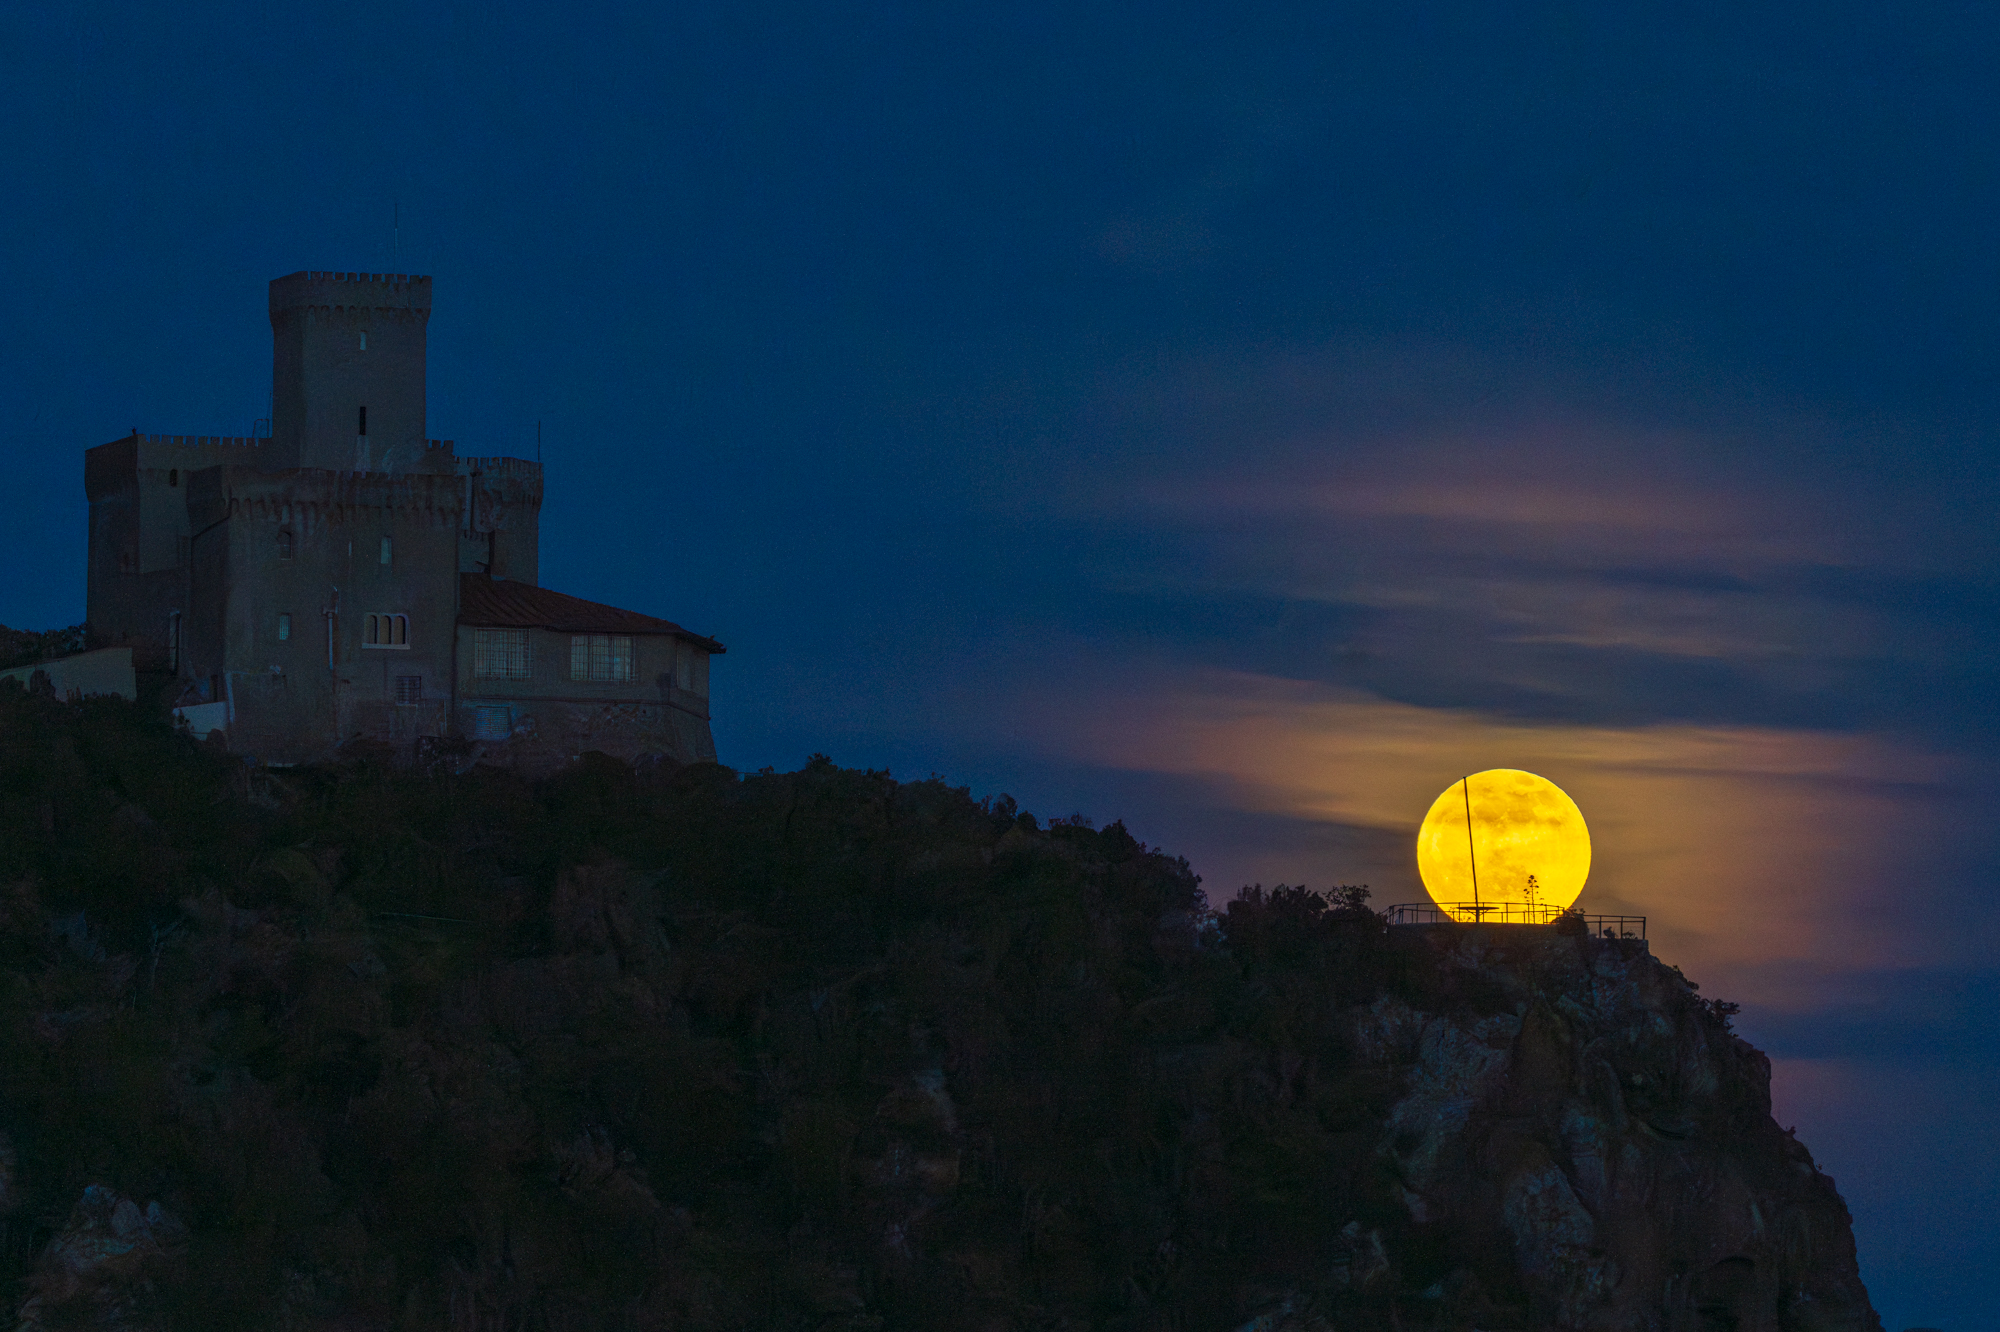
<point x="385" y="631"/>
<point x="500" y="654"/>
<point x="409" y="690"/>
<point x="600" y="657"/>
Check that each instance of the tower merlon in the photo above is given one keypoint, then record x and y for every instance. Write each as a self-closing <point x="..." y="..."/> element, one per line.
<point x="382" y="291"/>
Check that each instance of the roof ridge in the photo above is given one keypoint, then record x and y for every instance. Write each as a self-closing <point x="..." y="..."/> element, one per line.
<point x="485" y="601"/>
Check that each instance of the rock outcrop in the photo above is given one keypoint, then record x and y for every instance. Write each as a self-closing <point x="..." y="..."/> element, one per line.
<point x="1590" y="1135"/>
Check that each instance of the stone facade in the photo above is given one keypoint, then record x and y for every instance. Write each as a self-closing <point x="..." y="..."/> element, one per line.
<point x="311" y="589"/>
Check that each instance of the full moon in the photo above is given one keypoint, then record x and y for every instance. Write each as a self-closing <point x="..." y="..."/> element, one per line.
<point x="1502" y="841"/>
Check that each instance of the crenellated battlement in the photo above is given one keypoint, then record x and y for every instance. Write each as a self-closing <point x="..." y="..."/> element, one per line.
<point x="396" y="278"/>
<point x="206" y="441"/>
<point x="523" y="468"/>
<point x="331" y="290"/>
<point x="311" y="499"/>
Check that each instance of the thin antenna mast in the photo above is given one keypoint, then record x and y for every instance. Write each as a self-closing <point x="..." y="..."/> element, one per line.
<point x="1471" y="854"/>
<point x="538" y="443"/>
<point x="396" y="234"/>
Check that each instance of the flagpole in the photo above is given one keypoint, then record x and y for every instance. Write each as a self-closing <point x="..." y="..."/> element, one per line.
<point x="1471" y="854"/>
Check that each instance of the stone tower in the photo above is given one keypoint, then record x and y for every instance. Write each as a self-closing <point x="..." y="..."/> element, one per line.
<point x="347" y="371"/>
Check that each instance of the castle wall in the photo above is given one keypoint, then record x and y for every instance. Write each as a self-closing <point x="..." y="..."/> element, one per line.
<point x="84" y="675"/>
<point x="504" y="503"/>
<point x="298" y="698"/>
<point x="137" y="563"/>
<point x="540" y="723"/>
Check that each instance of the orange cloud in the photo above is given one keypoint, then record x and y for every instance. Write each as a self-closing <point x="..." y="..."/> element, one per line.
<point x="1744" y="846"/>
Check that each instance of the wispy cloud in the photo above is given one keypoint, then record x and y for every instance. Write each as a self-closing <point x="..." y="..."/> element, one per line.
<point x="1730" y="657"/>
<point x="1746" y="846"/>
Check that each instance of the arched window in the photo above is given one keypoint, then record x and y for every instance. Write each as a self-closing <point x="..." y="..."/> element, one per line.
<point x="381" y="630"/>
<point x="284" y="545"/>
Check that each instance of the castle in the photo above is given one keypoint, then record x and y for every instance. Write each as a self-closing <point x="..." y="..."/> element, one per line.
<point x="347" y="579"/>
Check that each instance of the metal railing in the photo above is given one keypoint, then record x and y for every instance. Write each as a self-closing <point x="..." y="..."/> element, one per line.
<point x="1514" y="913"/>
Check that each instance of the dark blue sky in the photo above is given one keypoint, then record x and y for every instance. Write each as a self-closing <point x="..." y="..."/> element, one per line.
<point x="1239" y="419"/>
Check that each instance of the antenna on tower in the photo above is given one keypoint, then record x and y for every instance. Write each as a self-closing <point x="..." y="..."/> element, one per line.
<point x="395" y="233"/>
<point x="538" y="443"/>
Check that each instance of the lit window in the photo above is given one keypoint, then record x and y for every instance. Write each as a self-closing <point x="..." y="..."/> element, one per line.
<point x="385" y="631"/>
<point x="364" y="347"/>
<point x="388" y="550"/>
<point x="600" y="657"/>
<point x="284" y="545"/>
<point x="409" y="690"/>
<point x="284" y="627"/>
<point x="500" y="654"/>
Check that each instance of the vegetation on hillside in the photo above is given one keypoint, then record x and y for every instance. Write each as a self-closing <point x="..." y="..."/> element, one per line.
<point x="369" y="1047"/>
<point x="24" y="647"/>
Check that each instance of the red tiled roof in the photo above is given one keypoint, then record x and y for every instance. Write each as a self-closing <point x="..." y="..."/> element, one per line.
<point x="501" y="603"/>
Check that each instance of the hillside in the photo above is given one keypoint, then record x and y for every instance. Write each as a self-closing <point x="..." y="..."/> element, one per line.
<point x="365" y="1048"/>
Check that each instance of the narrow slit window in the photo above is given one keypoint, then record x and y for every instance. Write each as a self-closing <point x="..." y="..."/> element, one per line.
<point x="173" y="476"/>
<point x="284" y="626"/>
<point x="284" y="545"/>
<point x="364" y="347"/>
<point x="362" y="428"/>
<point x="388" y="550"/>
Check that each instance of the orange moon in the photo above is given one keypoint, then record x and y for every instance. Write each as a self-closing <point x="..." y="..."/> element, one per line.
<point x="1488" y="834"/>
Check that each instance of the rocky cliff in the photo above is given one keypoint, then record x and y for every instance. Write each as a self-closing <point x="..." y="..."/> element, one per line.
<point x="1574" y="1127"/>
<point x="358" y="1048"/>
